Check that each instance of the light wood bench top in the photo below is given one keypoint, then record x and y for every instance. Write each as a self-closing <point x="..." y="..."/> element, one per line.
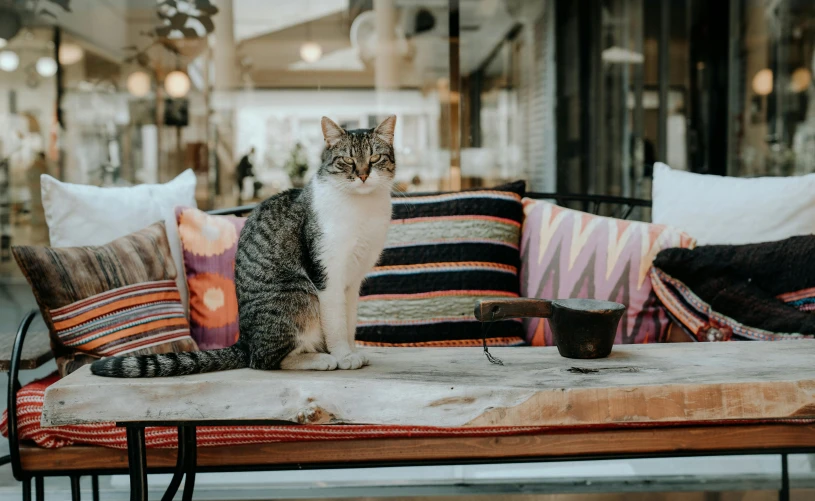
<point x="683" y="383"/>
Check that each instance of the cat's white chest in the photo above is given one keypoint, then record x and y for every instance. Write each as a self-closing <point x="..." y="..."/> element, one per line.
<point x="353" y="235"/>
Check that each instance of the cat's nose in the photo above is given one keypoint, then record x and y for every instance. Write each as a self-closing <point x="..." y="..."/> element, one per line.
<point x="363" y="177"/>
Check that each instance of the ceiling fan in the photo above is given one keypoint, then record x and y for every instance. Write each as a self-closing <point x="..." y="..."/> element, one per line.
<point x="15" y="14"/>
<point x="364" y="37"/>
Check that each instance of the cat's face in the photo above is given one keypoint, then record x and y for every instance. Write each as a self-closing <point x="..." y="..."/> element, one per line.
<point x="359" y="161"/>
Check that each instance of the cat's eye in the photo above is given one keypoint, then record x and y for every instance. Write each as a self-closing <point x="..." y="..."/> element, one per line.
<point x="348" y="160"/>
<point x="374" y="159"/>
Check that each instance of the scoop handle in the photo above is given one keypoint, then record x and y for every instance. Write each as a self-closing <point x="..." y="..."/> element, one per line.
<point x="488" y="310"/>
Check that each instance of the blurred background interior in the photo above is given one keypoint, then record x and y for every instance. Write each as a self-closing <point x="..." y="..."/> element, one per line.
<point x="574" y="96"/>
<point x="578" y="96"/>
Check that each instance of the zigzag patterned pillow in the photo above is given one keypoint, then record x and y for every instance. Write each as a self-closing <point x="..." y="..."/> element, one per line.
<point x="571" y="254"/>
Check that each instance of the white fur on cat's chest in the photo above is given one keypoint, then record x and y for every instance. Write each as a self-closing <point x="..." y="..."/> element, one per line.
<point x="354" y="228"/>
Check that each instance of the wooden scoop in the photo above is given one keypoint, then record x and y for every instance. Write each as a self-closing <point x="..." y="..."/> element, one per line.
<point x="582" y="328"/>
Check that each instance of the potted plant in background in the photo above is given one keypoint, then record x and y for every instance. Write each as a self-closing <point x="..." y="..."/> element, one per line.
<point x="297" y="165"/>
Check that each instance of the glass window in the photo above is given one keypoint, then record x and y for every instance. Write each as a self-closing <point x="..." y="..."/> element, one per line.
<point x="772" y="109"/>
<point x="712" y="87"/>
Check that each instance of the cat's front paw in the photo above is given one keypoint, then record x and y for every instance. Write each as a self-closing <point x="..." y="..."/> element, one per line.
<point x="309" y="362"/>
<point x="324" y="362"/>
<point x="354" y="360"/>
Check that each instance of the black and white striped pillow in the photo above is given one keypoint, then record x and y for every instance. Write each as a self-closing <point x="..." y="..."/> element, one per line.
<point x="443" y="252"/>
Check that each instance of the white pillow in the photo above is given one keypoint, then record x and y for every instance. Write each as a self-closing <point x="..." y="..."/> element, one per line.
<point x="79" y="214"/>
<point x="733" y="210"/>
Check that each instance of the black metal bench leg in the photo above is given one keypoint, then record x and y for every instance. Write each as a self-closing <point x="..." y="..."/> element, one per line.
<point x="76" y="493"/>
<point x="26" y="489"/>
<point x="39" y="488"/>
<point x="95" y="487"/>
<point x="191" y="456"/>
<point x="180" y="466"/>
<point x="137" y="463"/>
<point x="784" y="493"/>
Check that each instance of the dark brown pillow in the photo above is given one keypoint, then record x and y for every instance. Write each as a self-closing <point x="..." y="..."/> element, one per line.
<point x="108" y="300"/>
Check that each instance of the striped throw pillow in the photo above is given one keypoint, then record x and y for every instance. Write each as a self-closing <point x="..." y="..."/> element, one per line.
<point x="123" y="319"/>
<point x="443" y="252"/>
<point x="113" y="299"/>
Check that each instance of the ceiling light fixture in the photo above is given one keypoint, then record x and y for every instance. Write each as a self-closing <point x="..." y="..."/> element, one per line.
<point x="177" y="84"/>
<point x="138" y="83"/>
<point x="763" y="82"/>
<point x="9" y="61"/>
<point x="311" y="52"/>
<point x="46" y="66"/>
<point x="70" y="53"/>
<point x="800" y="80"/>
<point x="621" y="55"/>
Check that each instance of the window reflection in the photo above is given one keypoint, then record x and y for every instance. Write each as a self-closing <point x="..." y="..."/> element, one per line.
<point x="775" y="114"/>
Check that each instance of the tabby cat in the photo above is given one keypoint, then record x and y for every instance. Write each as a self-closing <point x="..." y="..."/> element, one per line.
<point x="300" y="262"/>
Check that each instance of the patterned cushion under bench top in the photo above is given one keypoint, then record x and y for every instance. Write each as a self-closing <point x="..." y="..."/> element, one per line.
<point x="443" y="252"/>
<point x="110" y="299"/>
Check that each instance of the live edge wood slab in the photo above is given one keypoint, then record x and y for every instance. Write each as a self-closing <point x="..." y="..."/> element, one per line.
<point x="458" y="387"/>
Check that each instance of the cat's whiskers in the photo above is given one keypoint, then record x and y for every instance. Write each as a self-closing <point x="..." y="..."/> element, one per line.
<point x="404" y="194"/>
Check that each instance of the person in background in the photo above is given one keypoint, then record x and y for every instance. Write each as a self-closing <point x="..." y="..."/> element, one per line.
<point x="244" y="170"/>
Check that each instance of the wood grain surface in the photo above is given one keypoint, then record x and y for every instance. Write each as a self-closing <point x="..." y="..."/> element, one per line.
<point x="684" y="382"/>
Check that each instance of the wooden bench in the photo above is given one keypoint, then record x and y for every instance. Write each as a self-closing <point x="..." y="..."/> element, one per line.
<point x="30" y="349"/>
<point x="32" y="462"/>
<point x="643" y="401"/>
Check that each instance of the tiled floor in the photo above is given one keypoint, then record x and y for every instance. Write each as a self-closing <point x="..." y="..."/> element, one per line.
<point x="15" y="299"/>
<point x="58" y="491"/>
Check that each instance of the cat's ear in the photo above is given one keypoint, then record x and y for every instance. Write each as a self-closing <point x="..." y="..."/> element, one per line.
<point x="386" y="128"/>
<point x="331" y="131"/>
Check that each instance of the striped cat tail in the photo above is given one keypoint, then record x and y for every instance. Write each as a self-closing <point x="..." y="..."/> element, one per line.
<point x="172" y="364"/>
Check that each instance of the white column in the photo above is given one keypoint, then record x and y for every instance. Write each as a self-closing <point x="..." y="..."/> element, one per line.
<point x="225" y="83"/>
<point x="224" y="52"/>
<point x="386" y="66"/>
